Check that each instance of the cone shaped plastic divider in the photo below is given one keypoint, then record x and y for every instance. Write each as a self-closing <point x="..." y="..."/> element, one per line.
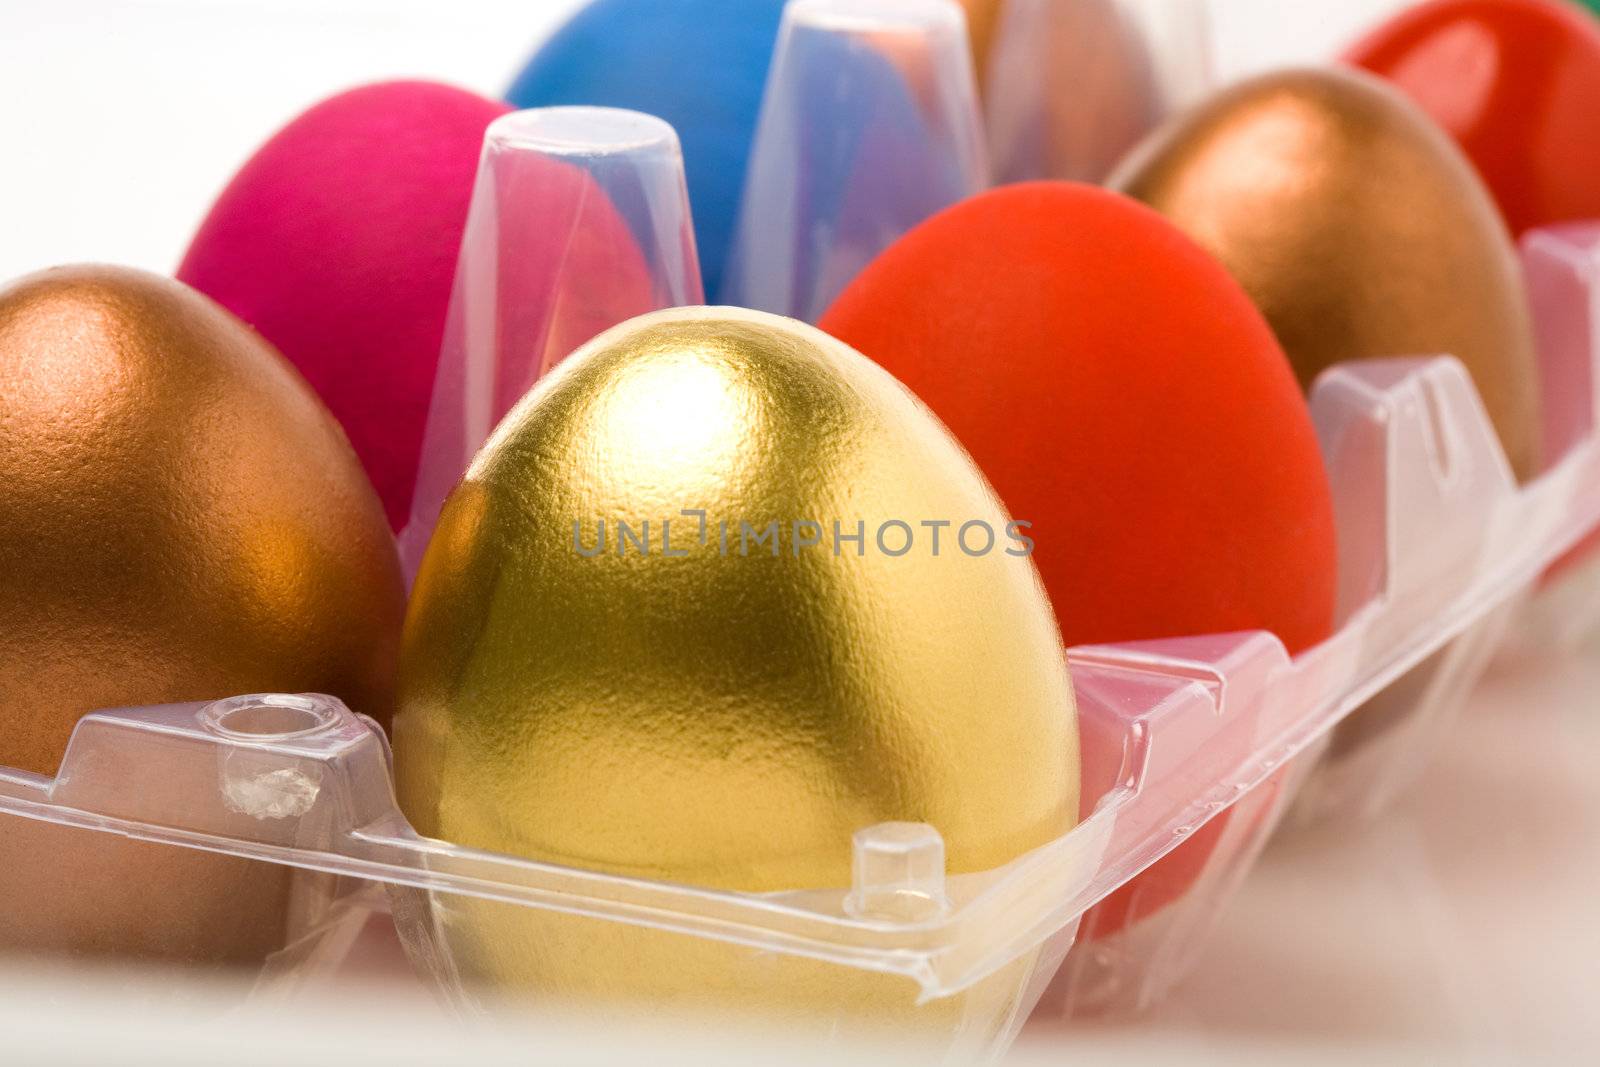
<point x="869" y="125"/>
<point x="579" y="221"/>
<point x="1075" y="84"/>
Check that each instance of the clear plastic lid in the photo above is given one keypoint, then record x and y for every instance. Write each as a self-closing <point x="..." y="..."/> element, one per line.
<point x="870" y="124"/>
<point x="1075" y="84"/>
<point x="579" y="221"/>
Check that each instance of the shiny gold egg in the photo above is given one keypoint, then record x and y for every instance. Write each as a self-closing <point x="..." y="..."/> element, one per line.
<point x="180" y="520"/>
<point x="1357" y="227"/>
<point x="717" y="689"/>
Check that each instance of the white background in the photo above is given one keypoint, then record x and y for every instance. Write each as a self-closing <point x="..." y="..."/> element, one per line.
<point x="121" y="121"/>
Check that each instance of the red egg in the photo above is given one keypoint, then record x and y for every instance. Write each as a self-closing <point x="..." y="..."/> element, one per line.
<point x="1517" y="84"/>
<point x="1124" y="396"/>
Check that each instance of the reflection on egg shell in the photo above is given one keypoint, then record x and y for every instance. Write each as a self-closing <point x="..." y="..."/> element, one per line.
<point x="181" y="520"/>
<point x="726" y="718"/>
<point x="1357" y="227"/>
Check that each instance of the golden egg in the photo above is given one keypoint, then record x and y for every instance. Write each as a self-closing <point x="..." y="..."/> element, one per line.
<point x="729" y="685"/>
<point x="180" y="520"/>
<point x="1358" y="228"/>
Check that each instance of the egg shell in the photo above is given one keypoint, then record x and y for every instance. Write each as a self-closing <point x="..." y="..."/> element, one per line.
<point x="1123" y="395"/>
<point x="721" y="717"/>
<point x="699" y="64"/>
<point x="1113" y="354"/>
<point x="1357" y="227"/>
<point x="1517" y="84"/>
<point x="338" y="241"/>
<point x="181" y="520"/>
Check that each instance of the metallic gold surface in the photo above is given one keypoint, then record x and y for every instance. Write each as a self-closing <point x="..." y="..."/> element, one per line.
<point x="1357" y="227"/>
<point x="180" y="519"/>
<point x="722" y="721"/>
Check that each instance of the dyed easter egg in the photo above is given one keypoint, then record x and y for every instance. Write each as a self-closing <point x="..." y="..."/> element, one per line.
<point x="1357" y="227"/>
<point x="596" y="677"/>
<point x="1517" y="84"/>
<point x="338" y="242"/>
<point x="1124" y="396"/>
<point x="181" y="520"/>
<point x="699" y="64"/>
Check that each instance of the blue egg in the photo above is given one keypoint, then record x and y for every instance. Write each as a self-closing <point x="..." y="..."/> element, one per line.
<point x="699" y="64"/>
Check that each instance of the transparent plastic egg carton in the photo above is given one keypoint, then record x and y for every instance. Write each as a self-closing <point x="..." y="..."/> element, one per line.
<point x="260" y="834"/>
<point x="289" y="798"/>
<point x="1380" y="751"/>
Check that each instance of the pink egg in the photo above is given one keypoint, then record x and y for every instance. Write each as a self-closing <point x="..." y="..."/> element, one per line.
<point x="338" y="242"/>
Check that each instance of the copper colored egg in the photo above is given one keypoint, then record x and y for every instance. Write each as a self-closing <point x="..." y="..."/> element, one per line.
<point x="180" y="520"/>
<point x="1072" y="88"/>
<point x="1357" y="227"/>
<point x="1103" y="92"/>
<point x="983" y="17"/>
<point x="713" y="710"/>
